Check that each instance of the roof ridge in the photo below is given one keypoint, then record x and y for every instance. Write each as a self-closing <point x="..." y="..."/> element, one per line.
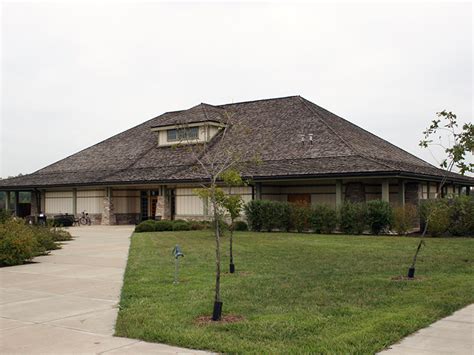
<point x="258" y="100"/>
<point x="356" y="151"/>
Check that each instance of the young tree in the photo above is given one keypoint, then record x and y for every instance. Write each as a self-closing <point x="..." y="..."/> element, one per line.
<point x="456" y="143"/>
<point x="234" y="206"/>
<point x="225" y="156"/>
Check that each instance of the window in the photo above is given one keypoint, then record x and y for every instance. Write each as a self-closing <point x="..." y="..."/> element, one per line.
<point x="182" y="134"/>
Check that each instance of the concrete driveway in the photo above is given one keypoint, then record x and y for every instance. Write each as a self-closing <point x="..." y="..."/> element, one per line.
<point x="66" y="302"/>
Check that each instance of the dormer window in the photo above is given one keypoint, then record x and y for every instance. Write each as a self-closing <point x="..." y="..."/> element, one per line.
<point x="194" y="132"/>
<point x="182" y="134"/>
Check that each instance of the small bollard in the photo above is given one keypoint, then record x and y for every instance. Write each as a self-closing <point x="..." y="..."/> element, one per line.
<point x="177" y="253"/>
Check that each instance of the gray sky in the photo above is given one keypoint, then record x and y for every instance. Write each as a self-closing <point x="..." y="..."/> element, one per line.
<point x="75" y="74"/>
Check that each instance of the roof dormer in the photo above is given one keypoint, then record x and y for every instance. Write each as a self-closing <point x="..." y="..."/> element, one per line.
<point x="199" y="124"/>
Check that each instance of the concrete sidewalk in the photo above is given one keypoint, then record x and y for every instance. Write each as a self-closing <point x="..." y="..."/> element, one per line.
<point x="66" y="302"/>
<point x="452" y="335"/>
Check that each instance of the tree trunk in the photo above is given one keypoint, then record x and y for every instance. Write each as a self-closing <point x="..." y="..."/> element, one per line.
<point x="217" y="311"/>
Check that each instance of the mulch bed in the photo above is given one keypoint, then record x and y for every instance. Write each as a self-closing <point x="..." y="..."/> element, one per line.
<point x="227" y="319"/>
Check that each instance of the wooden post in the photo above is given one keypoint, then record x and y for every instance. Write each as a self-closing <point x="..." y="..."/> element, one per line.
<point x="385" y="191"/>
<point x="338" y="194"/>
<point x="401" y="193"/>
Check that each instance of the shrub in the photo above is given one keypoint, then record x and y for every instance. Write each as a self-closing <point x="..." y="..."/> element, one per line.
<point x="379" y="215"/>
<point x="179" y="225"/>
<point x="145" y="226"/>
<point x="17" y="243"/>
<point x="300" y="216"/>
<point x="60" y="235"/>
<point x="448" y="216"/>
<point x="404" y="218"/>
<point x="253" y="212"/>
<point x="199" y="225"/>
<point x="45" y="240"/>
<point x="323" y="219"/>
<point x="161" y="226"/>
<point x="461" y="211"/>
<point x="5" y="215"/>
<point x="353" y="217"/>
<point x="240" y="226"/>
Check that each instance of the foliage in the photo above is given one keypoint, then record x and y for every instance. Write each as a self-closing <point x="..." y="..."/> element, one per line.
<point x="297" y="293"/>
<point x="268" y="215"/>
<point x="45" y="239"/>
<point x="241" y="226"/>
<point x="404" y="218"/>
<point x="459" y="143"/>
<point x="163" y="226"/>
<point x="60" y="235"/>
<point x="323" y="219"/>
<point x="17" y="242"/>
<point x="449" y="216"/>
<point x="254" y="214"/>
<point x="145" y="226"/>
<point x="199" y="225"/>
<point x="4" y="215"/>
<point x="353" y="217"/>
<point x="300" y="216"/>
<point x="379" y="216"/>
<point x="181" y="226"/>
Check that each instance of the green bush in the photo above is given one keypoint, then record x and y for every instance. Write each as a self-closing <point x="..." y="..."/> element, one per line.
<point x="404" y="218"/>
<point x="5" y="215"/>
<point x="60" y="235"/>
<point x="181" y="225"/>
<point x="240" y="226"/>
<point x="253" y="211"/>
<point x="145" y="226"/>
<point x="353" y="217"/>
<point x="461" y="210"/>
<point x="17" y="243"/>
<point x="452" y="216"/>
<point x="300" y="216"/>
<point x="45" y="239"/>
<point x="323" y="219"/>
<point x="160" y="226"/>
<point x="379" y="216"/>
<point x="199" y="225"/>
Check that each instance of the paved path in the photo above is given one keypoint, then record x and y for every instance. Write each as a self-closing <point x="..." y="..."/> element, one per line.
<point x="66" y="302"/>
<point x="452" y="335"/>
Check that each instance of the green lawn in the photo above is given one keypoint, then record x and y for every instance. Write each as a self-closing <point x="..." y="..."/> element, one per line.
<point x="298" y="293"/>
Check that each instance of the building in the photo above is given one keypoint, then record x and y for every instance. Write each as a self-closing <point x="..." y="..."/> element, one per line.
<point x="308" y="154"/>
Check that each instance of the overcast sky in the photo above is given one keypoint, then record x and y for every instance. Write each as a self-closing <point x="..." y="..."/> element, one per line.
<point x="75" y="74"/>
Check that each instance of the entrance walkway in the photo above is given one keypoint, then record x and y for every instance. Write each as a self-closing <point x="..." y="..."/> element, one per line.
<point x="452" y="335"/>
<point x="66" y="302"/>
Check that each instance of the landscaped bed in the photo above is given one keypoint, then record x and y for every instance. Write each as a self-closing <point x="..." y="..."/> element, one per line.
<point x="292" y="293"/>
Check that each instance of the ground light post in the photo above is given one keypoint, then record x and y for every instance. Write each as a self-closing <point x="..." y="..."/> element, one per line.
<point x="177" y="253"/>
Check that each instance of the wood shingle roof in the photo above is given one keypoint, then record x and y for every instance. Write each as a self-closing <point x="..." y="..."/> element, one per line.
<point x="339" y="148"/>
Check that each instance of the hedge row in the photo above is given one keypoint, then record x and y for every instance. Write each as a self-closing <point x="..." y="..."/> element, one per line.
<point x="449" y="216"/>
<point x="352" y="218"/>
<point x="20" y="242"/>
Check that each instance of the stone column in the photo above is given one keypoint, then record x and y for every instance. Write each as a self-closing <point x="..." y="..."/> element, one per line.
<point x="338" y="194"/>
<point x="108" y="215"/>
<point x="163" y="204"/>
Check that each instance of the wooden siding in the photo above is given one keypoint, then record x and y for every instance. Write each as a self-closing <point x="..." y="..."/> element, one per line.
<point x="126" y="201"/>
<point x="58" y="202"/>
<point x="90" y="201"/>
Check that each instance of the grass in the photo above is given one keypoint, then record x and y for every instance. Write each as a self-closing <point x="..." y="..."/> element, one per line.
<point x="298" y="293"/>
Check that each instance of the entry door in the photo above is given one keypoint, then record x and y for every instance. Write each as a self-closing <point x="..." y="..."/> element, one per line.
<point x="153" y="200"/>
<point x="301" y="199"/>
